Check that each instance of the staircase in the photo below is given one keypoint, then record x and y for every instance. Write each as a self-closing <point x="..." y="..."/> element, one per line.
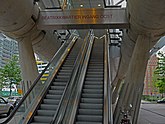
<point x="47" y="109"/>
<point x="90" y="109"/>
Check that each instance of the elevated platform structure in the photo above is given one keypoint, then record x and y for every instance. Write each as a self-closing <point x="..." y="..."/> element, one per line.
<point x="35" y="25"/>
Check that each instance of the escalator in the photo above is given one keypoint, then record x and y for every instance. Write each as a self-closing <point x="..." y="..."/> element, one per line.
<point x="47" y="109"/>
<point x="91" y="106"/>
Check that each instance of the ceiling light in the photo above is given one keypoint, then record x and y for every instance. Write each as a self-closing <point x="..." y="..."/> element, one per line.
<point x="81" y="5"/>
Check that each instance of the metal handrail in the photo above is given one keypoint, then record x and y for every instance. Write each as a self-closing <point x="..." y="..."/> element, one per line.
<point x="31" y="88"/>
<point x="105" y="82"/>
<point x="63" y="102"/>
<point x="110" y="113"/>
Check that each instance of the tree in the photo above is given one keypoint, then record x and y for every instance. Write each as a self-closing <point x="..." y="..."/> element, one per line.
<point x="159" y="74"/>
<point x="10" y="73"/>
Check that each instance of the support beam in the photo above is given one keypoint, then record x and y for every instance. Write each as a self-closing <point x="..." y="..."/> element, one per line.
<point x="134" y="79"/>
<point x="90" y="18"/>
<point x="27" y="61"/>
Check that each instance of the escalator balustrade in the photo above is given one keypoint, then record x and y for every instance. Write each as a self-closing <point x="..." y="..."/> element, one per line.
<point x="47" y="109"/>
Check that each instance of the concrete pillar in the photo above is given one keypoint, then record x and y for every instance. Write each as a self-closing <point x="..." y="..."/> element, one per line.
<point x="27" y="61"/>
<point x="134" y="79"/>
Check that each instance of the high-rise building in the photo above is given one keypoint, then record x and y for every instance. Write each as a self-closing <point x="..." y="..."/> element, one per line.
<point x="148" y="85"/>
<point x="41" y="66"/>
<point x="8" y="48"/>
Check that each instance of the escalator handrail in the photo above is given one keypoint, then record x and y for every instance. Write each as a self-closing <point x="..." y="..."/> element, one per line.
<point x="32" y="86"/>
<point x="109" y="118"/>
<point x="69" y="85"/>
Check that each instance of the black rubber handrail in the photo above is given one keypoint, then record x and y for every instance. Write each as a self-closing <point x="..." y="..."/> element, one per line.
<point x="30" y="89"/>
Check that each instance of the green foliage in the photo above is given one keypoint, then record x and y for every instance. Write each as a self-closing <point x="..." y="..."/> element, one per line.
<point x="159" y="74"/>
<point x="10" y="73"/>
<point x="150" y="98"/>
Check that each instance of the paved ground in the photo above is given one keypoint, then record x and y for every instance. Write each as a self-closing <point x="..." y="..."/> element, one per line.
<point x="152" y="113"/>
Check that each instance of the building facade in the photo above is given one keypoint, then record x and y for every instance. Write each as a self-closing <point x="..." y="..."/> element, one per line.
<point x="148" y="85"/>
<point x="8" y="48"/>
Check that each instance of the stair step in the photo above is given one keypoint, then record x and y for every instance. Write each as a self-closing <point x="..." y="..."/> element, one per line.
<point x="93" y="91"/>
<point x="48" y="107"/>
<point x="45" y="113"/>
<point x="93" y="79"/>
<point x="86" y="95"/>
<point x="90" y="118"/>
<point x="93" y="86"/>
<point x="61" y="80"/>
<point x="95" y="69"/>
<point x="90" y="106"/>
<point x="84" y="122"/>
<point x="51" y="101"/>
<point x="57" y="87"/>
<point x="59" y="83"/>
<point x="45" y="119"/>
<point x="94" y="82"/>
<point x="63" y="76"/>
<point x="56" y="92"/>
<point x="55" y="97"/>
<point x="90" y="112"/>
<point x="94" y="76"/>
<point x="89" y="100"/>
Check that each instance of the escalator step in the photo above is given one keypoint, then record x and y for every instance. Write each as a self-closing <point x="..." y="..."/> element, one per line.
<point x="45" y="119"/>
<point x="94" y="82"/>
<point x="57" y="87"/>
<point x="97" y="73"/>
<point x="48" y="107"/>
<point x="95" y="69"/>
<point x="89" y="100"/>
<point x="55" y="92"/>
<point x="59" y="83"/>
<point x="88" y="122"/>
<point x="93" y="86"/>
<point x="93" y="79"/>
<point x="93" y="91"/>
<point x="90" y="106"/>
<point x="89" y="118"/>
<point x="63" y="76"/>
<point x="51" y="101"/>
<point x="38" y="123"/>
<point x="86" y="95"/>
<point x="90" y="112"/>
<point x="50" y="96"/>
<point x="61" y="80"/>
<point x="45" y="113"/>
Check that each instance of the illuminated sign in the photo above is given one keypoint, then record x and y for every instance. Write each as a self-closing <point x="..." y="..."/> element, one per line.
<point x="83" y="19"/>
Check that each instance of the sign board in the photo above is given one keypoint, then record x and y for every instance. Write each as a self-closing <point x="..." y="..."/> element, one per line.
<point x="83" y="19"/>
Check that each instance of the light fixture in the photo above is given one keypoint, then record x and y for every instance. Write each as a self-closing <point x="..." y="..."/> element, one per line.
<point x="99" y="5"/>
<point x="81" y="5"/>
